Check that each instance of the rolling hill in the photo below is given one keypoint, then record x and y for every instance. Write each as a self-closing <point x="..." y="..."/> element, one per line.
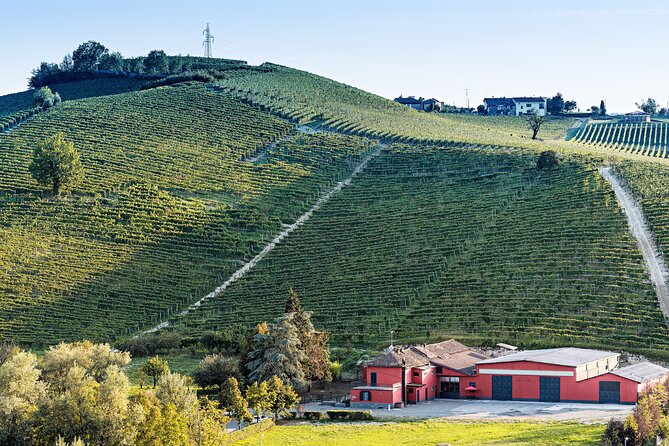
<point x="446" y="228"/>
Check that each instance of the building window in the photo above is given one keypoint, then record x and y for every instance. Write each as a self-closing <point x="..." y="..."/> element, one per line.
<point x="410" y="390"/>
<point x="438" y="369"/>
<point x="541" y="106"/>
<point x="373" y="378"/>
<point x="472" y="383"/>
<point x="450" y="384"/>
<point x="432" y="389"/>
<point x="529" y="105"/>
<point x="365" y="395"/>
<point x="416" y="374"/>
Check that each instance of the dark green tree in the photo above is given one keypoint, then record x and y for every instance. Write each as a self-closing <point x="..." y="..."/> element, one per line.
<point x="547" y="160"/>
<point x="56" y="163"/>
<point x="214" y="371"/>
<point x="569" y="106"/>
<point x="111" y="62"/>
<point x="555" y="104"/>
<point x="602" y="108"/>
<point x="155" y="368"/>
<point x="156" y="62"/>
<point x="649" y="106"/>
<point x="88" y="55"/>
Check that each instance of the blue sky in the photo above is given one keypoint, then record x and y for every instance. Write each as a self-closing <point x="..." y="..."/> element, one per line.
<point x="589" y="51"/>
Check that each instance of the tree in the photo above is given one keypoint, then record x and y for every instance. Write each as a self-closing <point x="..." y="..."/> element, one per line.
<point x="281" y="398"/>
<point x="649" y="106"/>
<point x="20" y="391"/>
<point x="174" y="429"/>
<point x="569" y="106"/>
<point x="214" y="370"/>
<point x="480" y="109"/>
<point x="602" y="108"/>
<point x="229" y="392"/>
<point x="111" y="62"/>
<point x="257" y="396"/>
<point x="209" y="426"/>
<point x="176" y="389"/>
<point x="594" y="110"/>
<point x="67" y="64"/>
<point x="156" y="62"/>
<point x="56" y="163"/>
<point x="40" y="75"/>
<point x="278" y="353"/>
<point x="155" y="368"/>
<point x="176" y="64"/>
<point x="45" y="98"/>
<point x="316" y="345"/>
<point x="534" y="122"/>
<point x="555" y="104"/>
<point x="88" y="56"/>
<point x="547" y="160"/>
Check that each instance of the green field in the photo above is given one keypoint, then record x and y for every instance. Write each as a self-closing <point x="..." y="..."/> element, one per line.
<point x="430" y="433"/>
<point x="649" y="139"/>
<point x="539" y="259"/>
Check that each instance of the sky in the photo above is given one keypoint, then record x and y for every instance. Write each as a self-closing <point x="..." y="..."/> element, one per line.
<point x="587" y="50"/>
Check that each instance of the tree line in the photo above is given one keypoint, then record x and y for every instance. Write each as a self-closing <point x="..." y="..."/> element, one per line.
<point x="91" y="57"/>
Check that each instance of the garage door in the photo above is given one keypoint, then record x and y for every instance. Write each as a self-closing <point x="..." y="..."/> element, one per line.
<point x="609" y="392"/>
<point x="549" y="388"/>
<point x="502" y="388"/>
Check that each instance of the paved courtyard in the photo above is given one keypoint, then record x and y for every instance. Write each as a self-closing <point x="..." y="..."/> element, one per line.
<point x="468" y="409"/>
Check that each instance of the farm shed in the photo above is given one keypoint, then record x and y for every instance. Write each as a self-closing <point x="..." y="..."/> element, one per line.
<point x="635" y="117"/>
<point x="414" y="374"/>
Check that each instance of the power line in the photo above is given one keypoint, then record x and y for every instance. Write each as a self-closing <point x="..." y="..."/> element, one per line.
<point x="208" y="40"/>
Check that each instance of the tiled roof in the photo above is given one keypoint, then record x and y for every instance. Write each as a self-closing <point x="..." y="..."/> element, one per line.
<point x="642" y="372"/>
<point x="567" y="356"/>
<point x="450" y="354"/>
<point x="529" y="99"/>
<point x="497" y="102"/>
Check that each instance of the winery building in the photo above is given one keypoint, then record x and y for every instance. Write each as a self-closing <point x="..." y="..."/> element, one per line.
<point x="411" y="375"/>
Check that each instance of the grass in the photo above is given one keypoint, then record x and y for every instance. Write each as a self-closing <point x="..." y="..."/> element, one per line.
<point x="460" y="433"/>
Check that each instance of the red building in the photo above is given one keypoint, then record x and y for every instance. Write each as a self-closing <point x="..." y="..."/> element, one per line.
<point x="408" y="375"/>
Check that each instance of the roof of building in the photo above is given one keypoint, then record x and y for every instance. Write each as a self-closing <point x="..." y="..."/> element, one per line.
<point x="642" y="372"/>
<point x="450" y="354"/>
<point x="496" y="102"/>
<point x="431" y="101"/>
<point x="529" y="99"/>
<point x="408" y="100"/>
<point x="636" y="113"/>
<point x="566" y="356"/>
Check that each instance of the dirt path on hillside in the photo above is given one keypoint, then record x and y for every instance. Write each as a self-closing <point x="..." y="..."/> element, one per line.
<point x="275" y="241"/>
<point x="657" y="268"/>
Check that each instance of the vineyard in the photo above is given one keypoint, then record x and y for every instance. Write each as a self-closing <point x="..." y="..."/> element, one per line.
<point x="16" y="102"/>
<point x="469" y="243"/>
<point x="305" y="97"/>
<point x="650" y="139"/>
<point x="170" y="205"/>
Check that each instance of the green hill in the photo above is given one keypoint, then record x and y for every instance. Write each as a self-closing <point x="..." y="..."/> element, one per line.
<point x="443" y="233"/>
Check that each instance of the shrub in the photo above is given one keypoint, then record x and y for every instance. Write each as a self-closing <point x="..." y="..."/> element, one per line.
<point x="547" y="160"/>
<point x="197" y="76"/>
<point x="350" y="415"/>
<point x="314" y="415"/>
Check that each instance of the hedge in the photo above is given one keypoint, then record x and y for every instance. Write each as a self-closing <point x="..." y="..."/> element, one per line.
<point x="250" y="430"/>
<point x="350" y="415"/>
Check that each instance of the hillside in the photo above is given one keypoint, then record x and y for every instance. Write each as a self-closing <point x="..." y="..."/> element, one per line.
<point x="443" y="233"/>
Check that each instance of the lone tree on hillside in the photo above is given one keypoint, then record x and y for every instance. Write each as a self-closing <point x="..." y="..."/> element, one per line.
<point x="602" y="108"/>
<point x="547" y="160"/>
<point x="155" y="368"/>
<point x="45" y="98"/>
<point x="534" y="122"/>
<point x="56" y="163"/>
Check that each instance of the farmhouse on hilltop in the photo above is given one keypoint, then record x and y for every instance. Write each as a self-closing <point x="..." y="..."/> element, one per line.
<point x="413" y="374"/>
<point x="420" y="104"/>
<point x="515" y="106"/>
<point x="635" y="117"/>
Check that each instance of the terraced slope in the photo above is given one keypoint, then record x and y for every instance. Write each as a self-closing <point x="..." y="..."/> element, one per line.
<point x="466" y="243"/>
<point x="168" y="207"/>
<point x="304" y="97"/>
<point x="13" y="103"/>
<point x="650" y="139"/>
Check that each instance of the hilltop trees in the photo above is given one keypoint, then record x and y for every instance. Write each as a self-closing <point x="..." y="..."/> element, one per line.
<point x="156" y="62"/>
<point x="88" y="56"/>
<point x="649" y="106"/>
<point x="56" y="163"/>
<point x="555" y="104"/>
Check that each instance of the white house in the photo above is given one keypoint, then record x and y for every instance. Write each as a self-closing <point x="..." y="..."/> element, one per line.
<point x="526" y="106"/>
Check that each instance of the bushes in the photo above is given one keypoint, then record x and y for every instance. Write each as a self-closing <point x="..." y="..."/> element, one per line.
<point x="196" y="76"/>
<point x="250" y="430"/>
<point x="339" y="415"/>
<point x="350" y="415"/>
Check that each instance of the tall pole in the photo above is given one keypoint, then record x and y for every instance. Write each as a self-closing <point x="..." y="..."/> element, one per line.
<point x="467" y="96"/>
<point x="208" y="40"/>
